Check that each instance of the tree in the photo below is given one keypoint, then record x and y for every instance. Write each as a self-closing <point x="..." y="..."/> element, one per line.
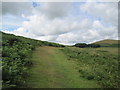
<point x="81" y="45"/>
<point x="93" y="45"/>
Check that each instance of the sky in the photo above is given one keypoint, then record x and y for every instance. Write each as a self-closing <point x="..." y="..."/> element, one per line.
<point x="61" y="22"/>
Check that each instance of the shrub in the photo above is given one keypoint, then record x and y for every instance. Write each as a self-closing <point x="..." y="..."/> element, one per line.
<point x="93" y="45"/>
<point x="81" y="45"/>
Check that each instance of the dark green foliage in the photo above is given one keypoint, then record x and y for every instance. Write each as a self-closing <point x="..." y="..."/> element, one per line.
<point x="81" y="45"/>
<point x="16" y="58"/>
<point x="16" y="53"/>
<point x="84" y="45"/>
<point x="93" y="45"/>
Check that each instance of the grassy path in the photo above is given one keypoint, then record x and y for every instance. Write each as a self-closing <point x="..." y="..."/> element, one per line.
<point x="51" y="69"/>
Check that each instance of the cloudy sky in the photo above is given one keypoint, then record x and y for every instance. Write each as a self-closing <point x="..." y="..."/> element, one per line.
<point x="61" y="22"/>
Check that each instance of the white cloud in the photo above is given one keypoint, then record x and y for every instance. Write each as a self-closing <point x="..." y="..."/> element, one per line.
<point x="84" y="36"/>
<point x="108" y="12"/>
<point x="16" y="8"/>
<point x="50" y="38"/>
<point x="97" y="24"/>
<point x="41" y="25"/>
<point x="67" y="38"/>
<point x="54" y="22"/>
<point x="53" y="9"/>
<point x="97" y="32"/>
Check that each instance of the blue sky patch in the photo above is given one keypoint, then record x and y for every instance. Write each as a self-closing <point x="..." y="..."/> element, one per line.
<point x="9" y="27"/>
<point x="35" y="4"/>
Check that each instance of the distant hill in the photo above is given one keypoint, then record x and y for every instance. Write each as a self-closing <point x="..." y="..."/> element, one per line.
<point x="108" y="43"/>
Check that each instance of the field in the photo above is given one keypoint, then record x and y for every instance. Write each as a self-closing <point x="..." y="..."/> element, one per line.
<point x="100" y="64"/>
<point x="39" y="64"/>
<point x="52" y="69"/>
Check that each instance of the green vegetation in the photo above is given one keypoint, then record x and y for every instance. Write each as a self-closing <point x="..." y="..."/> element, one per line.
<point x="51" y="69"/>
<point x="16" y="54"/>
<point x="100" y="64"/>
<point x="108" y="43"/>
<point x="28" y="62"/>
<point x="84" y="45"/>
<point x="102" y="43"/>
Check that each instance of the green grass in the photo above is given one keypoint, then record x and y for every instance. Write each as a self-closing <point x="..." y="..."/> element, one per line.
<point x="33" y="63"/>
<point x="100" y="64"/>
<point x="108" y="43"/>
<point x="16" y="58"/>
<point x="52" y="70"/>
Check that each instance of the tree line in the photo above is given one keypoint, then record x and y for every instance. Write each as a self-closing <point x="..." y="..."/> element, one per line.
<point x="84" y="45"/>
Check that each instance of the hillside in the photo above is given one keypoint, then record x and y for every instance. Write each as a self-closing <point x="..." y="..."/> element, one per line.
<point x="10" y="37"/>
<point x="32" y="63"/>
<point x="16" y="54"/>
<point x="108" y="43"/>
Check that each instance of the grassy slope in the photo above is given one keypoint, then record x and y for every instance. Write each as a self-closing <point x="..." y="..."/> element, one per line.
<point x="99" y="63"/>
<point x="108" y="42"/>
<point x="52" y="70"/>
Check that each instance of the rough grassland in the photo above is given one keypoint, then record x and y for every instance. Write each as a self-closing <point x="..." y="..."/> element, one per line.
<point x="100" y="64"/>
<point x="51" y="69"/>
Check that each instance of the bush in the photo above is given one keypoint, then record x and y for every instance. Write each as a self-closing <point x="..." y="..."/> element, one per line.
<point x="83" y="45"/>
<point x="93" y="45"/>
<point x="15" y="59"/>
